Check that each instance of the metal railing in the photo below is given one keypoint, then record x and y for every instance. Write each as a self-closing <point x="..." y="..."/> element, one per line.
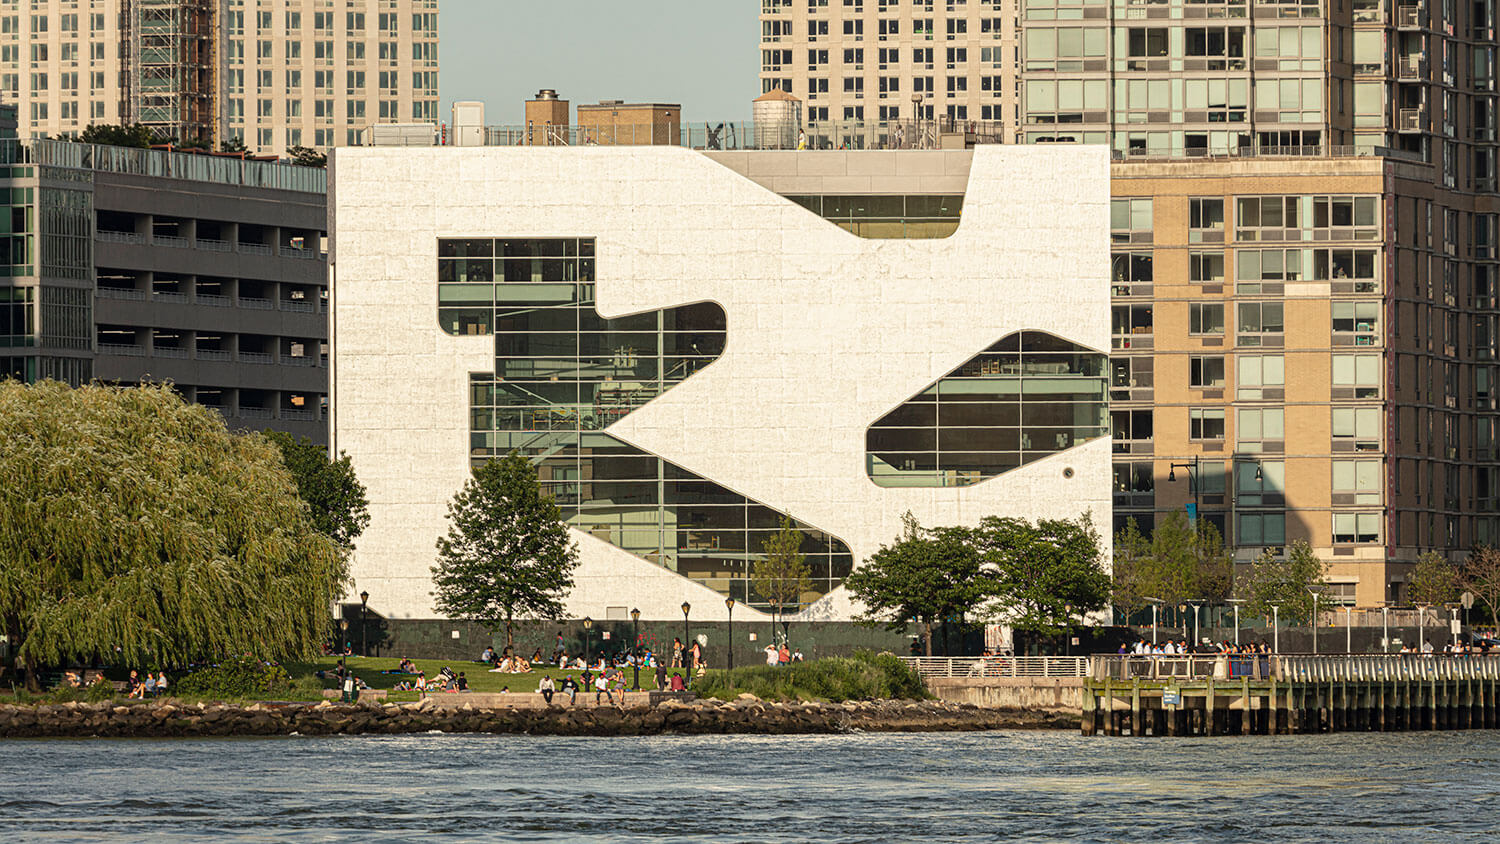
<point x="255" y="303"/>
<point x="252" y="248"/>
<point x="172" y="165"/>
<point x="926" y="133"/>
<point x="1388" y="667"/>
<point x="120" y="293"/>
<point x="999" y="666"/>
<point x="211" y="245"/>
<point x="1316" y="151"/>
<point x="108" y="236"/>
<point x="1298" y="667"/>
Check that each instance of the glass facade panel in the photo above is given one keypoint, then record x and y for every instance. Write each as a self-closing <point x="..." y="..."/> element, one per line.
<point x="1024" y="398"/>
<point x="563" y="374"/>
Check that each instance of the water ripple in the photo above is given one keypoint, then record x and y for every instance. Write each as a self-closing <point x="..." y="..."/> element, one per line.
<point x="980" y="787"/>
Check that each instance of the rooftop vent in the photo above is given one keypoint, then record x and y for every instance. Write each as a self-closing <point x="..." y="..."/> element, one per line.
<point x="547" y="94"/>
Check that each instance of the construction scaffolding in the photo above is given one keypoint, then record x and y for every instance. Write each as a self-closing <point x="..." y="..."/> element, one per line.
<point x="170" y="77"/>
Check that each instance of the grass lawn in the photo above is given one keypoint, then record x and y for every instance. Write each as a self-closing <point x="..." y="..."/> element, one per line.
<point x="479" y="677"/>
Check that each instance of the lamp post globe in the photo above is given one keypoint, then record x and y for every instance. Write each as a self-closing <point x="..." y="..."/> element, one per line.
<point x="635" y="623"/>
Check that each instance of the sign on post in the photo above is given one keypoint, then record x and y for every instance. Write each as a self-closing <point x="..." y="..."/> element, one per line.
<point x="1171" y="697"/>
<point x="1467" y="599"/>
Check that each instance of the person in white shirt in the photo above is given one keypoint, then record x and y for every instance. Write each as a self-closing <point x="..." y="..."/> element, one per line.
<point x="601" y="689"/>
<point x="772" y="657"/>
<point x="546" y="688"/>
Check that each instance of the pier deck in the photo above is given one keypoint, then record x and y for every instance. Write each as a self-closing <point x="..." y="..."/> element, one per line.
<point x="1282" y="694"/>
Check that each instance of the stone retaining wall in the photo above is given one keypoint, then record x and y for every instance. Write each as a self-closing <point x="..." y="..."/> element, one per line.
<point x="1045" y="693"/>
<point x="172" y="719"/>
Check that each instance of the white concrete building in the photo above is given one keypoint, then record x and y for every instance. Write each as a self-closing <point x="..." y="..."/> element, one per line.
<point x="691" y="345"/>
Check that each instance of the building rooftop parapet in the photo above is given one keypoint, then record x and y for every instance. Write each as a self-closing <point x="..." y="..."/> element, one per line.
<point x="165" y="164"/>
<point x="942" y="133"/>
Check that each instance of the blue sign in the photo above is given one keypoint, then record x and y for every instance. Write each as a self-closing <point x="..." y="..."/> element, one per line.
<point x="1171" y="697"/>
<point x="1192" y="511"/>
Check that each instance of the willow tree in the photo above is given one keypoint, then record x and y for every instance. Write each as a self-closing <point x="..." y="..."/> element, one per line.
<point x="137" y="530"/>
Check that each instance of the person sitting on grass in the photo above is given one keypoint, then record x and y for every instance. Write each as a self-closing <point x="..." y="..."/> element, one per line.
<point x="677" y="683"/>
<point x="536" y="656"/>
<point x="488" y="655"/>
<point x="407" y="666"/>
<point x="462" y="683"/>
<point x="161" y="684"/>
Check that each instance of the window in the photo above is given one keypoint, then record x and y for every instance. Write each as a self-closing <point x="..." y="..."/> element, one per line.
<point x="1128" y="269"/>
<point x="355" y="108"/>
<point x="854" y="57"/>
<point x="1356" y="376"/>
<point x="293" y="20"/>
<point x="1361" y="318"/>
<point x="1353" y="528"/>
<point x="294" y="79"/>
<point x="957" y="56"/>
<point x="889" y="27"/>
<point x="1260" y="377"/>
<point x="1130" y="220"/>
<point x="1259" y="483"/>
<point x="1134" y="482"/>
<point x="294" y="49"/>
<point x="1206" y="267"/>
<point x="1142" y="42"/>
<point x="855" y="28"/>
<point x="1356" y="481"/>
<point x="263" y="108"/>
<point x="1206" y="318"/>
<point x="1206" y="372"/>
<point x="1132" y="430"/>
<point x="1206" y="423"/>
<point x="1261" y="529"/>
<point x="1206" y="220"/>
<point x="1260" y="429"/>
<point x="1257" y="321"/>
<point x="815" y="58"/>
<point x="1129" y="324"/>
<point x="1356" y="428"/>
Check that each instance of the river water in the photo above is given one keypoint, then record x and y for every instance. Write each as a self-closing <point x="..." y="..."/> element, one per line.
<point x="982" y="787"/>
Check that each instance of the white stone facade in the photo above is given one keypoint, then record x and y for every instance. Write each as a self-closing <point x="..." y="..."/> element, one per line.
<point x="826" y="332"/>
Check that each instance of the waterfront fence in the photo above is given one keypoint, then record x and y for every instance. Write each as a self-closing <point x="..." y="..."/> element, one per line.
<point x="1303" y="668"/>
<point x="999" y="666"/>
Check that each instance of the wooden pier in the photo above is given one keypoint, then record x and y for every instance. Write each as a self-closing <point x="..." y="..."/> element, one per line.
<point x="1287" y="694"/>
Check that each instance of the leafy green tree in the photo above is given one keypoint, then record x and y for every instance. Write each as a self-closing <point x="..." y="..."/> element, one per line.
<point x="1294" y="583"/>
<point x="134" y="135"/>
<point x="1481" y="575"/>
<point x="234" y="144"/>
<point x="1177" y="564"/>
<point x="307" y="157"/>
<point x="334" y="496"/>
<point x="136" y="529"/>
<point x="925" y="576"/>
<point x="781" y="574"/>
<point x="507" y="554"/>
<point x="1434" y="580"/>
<point x="1047" y="573"/>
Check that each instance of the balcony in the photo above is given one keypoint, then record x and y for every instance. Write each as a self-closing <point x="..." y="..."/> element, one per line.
<point x="1411" y="16"/>
<point x="1410" y="120"/>
<point x="1412" y="67"/>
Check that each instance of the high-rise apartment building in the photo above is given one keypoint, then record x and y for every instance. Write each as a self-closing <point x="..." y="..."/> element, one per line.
<point x="890" y="60"/>
<point x="272" y="73"/>
<point x="1306" y="303"/>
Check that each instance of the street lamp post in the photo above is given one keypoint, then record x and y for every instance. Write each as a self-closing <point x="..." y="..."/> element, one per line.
<point x="685" y="646"/>
<point x="635" y="623"/>
<point x="1236" y="602"/>
<point x="1197" y="628"/>
<point x="1453" y="622"/>
<point x="1314" y="594"/>
<point x="1276" y="628"/>
<point x="1193" y="476"/>
<point x="1348" y="629"/>
<point x="916" y="117"/>
<point x="1385" y="627"/>
<point x="1422" y="626"/>
<point x="588" y="624"/>
<point x="1155" y="608"/>
<point x="729" y="647"/>
<point x="364" y="603"/>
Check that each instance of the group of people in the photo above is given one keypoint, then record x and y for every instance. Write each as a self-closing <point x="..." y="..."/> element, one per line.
<point x="147" y="685"/>
<point x="1181" y="646"/>
<point x="509" y="663"/>
<point x="782" y="655"/>
<point x="445" y="680"/>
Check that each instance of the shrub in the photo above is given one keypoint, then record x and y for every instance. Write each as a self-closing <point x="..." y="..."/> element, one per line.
<point x="864" y="676"/>
<point x="236" y="677"/>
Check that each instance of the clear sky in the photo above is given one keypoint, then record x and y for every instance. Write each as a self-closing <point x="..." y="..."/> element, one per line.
<point x="704" y="54"/>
